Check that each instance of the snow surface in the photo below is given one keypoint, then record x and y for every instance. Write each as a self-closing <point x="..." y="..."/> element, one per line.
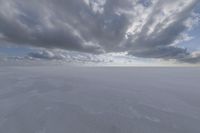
<point x="99" y="100"/>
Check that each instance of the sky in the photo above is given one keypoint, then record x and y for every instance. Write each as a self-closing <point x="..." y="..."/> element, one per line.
<point x="122" y="32"/>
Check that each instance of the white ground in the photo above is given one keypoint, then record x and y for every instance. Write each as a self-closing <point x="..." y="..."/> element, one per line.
<point x="99" y="100"/>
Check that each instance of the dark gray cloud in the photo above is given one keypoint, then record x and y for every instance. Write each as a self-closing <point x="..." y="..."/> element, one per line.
<point x="144" y="28"/>
<point x="169" y="52"/>
<point x="192" y="58"/>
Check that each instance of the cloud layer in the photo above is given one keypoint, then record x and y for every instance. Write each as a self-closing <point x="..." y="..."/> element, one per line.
<point x="143" y="28"/>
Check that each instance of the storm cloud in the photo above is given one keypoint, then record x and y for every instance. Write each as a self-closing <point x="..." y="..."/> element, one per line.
<point x="143" y="28"/>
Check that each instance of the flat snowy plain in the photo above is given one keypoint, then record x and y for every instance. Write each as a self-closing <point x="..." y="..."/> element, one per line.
<point x="99" y="100"/>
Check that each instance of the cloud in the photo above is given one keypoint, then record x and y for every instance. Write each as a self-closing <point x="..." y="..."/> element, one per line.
<point x="167" y="52"/>
<point x="48" y="55"/>
<point x="193" y="58"/>
<point x="82" y="58"/>
<point x="69" y="56"/>
<point x="144" y="28"/>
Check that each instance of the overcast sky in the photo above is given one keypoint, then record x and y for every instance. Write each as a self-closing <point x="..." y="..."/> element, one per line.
<point x="132" y="31"/>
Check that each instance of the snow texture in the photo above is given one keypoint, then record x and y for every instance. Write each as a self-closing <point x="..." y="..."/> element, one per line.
<point x="99" y="100"/>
